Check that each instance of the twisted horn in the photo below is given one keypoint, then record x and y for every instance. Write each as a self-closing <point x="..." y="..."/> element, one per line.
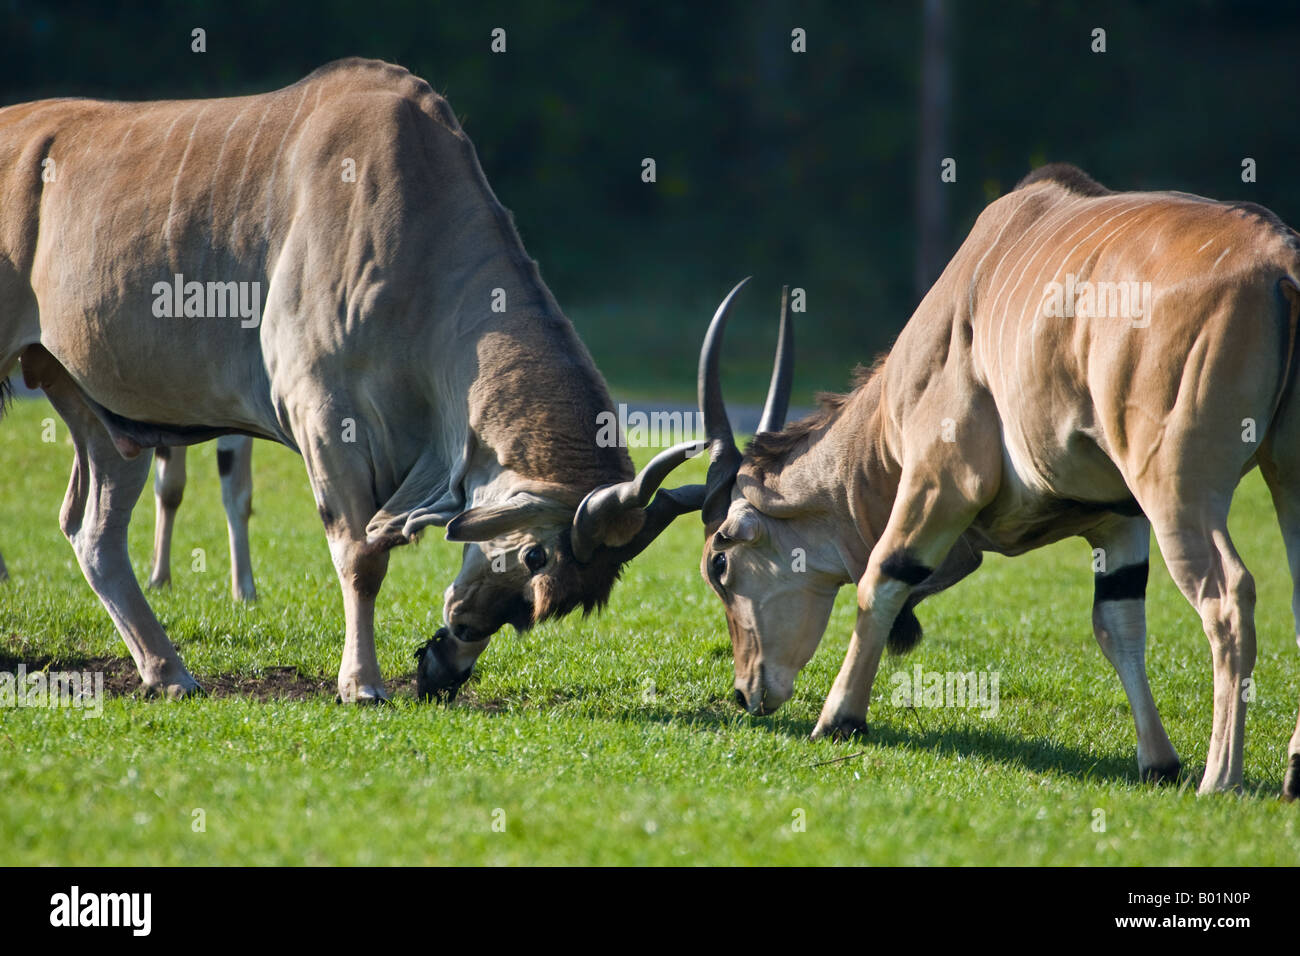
<point x="778" y="392"/>
<point x="668" y="504"/>
<point x="724" y="455"/>
<point x="603" y="506"/>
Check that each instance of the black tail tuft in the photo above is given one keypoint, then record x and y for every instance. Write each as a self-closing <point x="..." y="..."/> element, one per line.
<point x="6" y="395"/>
<point x="1291" y="784"/>
<point x="906" y="632"/>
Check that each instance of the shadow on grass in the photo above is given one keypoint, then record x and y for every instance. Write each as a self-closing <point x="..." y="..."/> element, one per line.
<point x="1034" y="754"/>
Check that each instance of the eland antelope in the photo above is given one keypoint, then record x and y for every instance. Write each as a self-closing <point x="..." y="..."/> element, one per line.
<point x="1010" y="414"/>
<point x="324" y="266"/>
<point x="235" y="467"/>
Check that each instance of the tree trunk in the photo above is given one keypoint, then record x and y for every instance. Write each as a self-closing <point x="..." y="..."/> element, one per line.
<point x="931" y="195"/>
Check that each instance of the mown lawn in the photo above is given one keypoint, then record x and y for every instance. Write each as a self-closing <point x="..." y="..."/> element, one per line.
<point x="607" y="740"/>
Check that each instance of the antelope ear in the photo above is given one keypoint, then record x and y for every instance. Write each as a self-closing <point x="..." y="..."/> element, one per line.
<point x="491" y="521"/>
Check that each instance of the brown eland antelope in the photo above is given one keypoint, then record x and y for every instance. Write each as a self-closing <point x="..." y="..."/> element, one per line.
<point x="1013" y="411"/>
<point x="324" y="266"/>
<point x="235" y="467"/>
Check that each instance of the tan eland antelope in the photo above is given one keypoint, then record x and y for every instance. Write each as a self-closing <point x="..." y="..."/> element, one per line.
<point x="396" y="335"/>
<point x="1090" y="363"/>
<point x="235" y="468"/>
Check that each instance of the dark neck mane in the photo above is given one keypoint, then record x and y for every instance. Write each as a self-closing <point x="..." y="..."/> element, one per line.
<point x="770" y="452"/>
<point x="537" y="401"/>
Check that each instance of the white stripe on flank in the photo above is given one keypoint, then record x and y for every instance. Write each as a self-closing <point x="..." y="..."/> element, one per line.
<point x="1031" y="238"/>
<point x="127" y="136"/>
<point x="1065" y="259"/>
<point x="1033" y="353"/>
<point x="162" y="148"/>
<point x="1066" y="217"/>
<point x="991" y="304"/>
<point x="243" y="175"/>
<point x="275" y="163"/>
<point x="176" y="184"/>
<point x="211" y="244"/>
<point x="212" y="189"/>
<point x="1151" y="251"/>
<point x="297" y="143"/>
<point x="1056" y="219"/>
<point x="109" y="209"/>
<point x="975" y="274"/>
<point x="1024" y="237"/>
<point x="1034" y="320"/>
<point x="1220" y="259"/>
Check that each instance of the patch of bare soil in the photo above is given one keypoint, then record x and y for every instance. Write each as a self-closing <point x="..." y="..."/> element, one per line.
<point x="271" y="683"/>
<point x="120" y="676"/>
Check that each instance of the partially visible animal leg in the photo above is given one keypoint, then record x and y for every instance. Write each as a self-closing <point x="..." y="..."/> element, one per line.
<point x="235" y="465"/>
<point x="963" y="560"/>
<point x="6" y="367"/>
<point x="926" y="521"/>
<point x="949" y="473"/>
<point x="360" y="576"/>
<point x="1194" y="540"/>
<point x="1123" y="546"/>
<point x="96" y="512"/>
<point x="168" y="490"/>
<point x="1284" y="484"/>
<point x="341" y="484"/>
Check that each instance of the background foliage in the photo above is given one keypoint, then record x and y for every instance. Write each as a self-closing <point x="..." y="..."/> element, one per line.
<point x="793" y="168"/>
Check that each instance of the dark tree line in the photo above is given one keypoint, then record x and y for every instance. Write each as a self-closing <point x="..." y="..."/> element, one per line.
<point x="807" y="168"/>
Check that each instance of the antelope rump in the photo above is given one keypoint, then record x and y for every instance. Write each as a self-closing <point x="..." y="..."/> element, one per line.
<point x="1001" y="421"/>
<point x="353" y="208"/>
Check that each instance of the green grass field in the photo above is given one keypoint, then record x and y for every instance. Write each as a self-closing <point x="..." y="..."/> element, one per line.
<point x="607" y="740"/>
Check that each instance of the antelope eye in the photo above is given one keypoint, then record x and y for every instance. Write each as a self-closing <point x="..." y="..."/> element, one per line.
<point x="718" y="564"/>
<point x="535" y="558"/>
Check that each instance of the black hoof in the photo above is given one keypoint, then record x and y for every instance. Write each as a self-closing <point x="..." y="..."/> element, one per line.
<point x="437" y="689"/>
<point x="1161" y="775"/>
<point x="1291" y="782"/>
<point x="364" y="701"/>
<point x="847" y="730"/>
